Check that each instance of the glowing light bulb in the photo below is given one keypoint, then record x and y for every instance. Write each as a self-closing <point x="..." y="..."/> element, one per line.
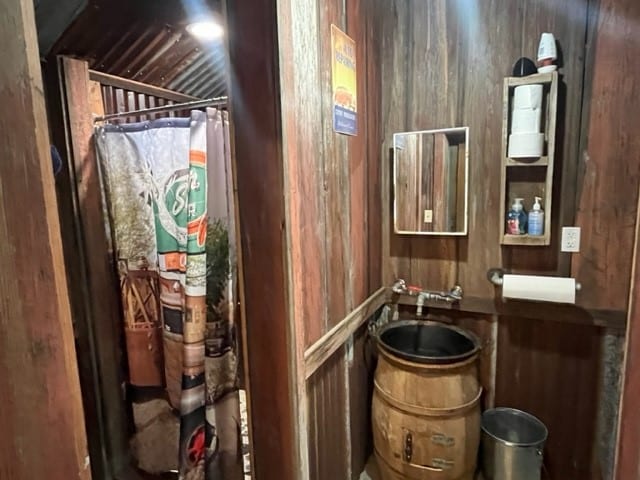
<point x="206" y="29"/>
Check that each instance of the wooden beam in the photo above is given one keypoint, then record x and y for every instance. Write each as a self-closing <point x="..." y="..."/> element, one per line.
<point x="269" y="332"/>
<point x="627" y="460"/>
<point x="41" y="418"/>
<point x="139" y="87"/>
<point x="100" y="323"/>
<point x="318" y="353"/>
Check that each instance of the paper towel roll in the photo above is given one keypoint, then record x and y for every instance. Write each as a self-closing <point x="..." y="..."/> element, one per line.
<point x="526" y="145"/>
<point x="527" y="96"/>
<point x="544" y="289"/>
<point x="526" y="120"/>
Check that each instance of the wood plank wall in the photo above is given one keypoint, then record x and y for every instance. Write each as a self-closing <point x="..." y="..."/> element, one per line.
<point x="271" y="366"/>
<point x="609" y="174"/>
<point x="609" y="161"/>
<point x="333" y="198"/>
<point x="41" y="417"/>
<point x="442" y="66"/>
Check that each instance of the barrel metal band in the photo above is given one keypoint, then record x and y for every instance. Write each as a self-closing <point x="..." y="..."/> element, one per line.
<point x="426" y="411"/>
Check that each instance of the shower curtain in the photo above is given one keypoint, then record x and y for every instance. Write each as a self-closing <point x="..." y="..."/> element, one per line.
<point x="167" y="191"/>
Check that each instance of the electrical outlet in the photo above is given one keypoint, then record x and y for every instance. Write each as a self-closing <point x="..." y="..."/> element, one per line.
<point x="570" y="239"/>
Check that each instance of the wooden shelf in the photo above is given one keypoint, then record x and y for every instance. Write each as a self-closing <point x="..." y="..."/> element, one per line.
<point x="530" y="240"/>
<point x="531" y="79"/>
<point x="523" y="309"/>
<point x="522" y="182"/>
<point x="527" y="162"/>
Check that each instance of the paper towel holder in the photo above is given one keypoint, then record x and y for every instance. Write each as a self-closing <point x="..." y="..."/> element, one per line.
<point x="496" y="276"/>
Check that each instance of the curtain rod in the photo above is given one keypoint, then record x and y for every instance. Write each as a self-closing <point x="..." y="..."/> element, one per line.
<point x="165" y="108"/>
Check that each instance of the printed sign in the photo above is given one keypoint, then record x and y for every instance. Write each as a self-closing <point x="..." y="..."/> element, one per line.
<point x="343" y="74"/>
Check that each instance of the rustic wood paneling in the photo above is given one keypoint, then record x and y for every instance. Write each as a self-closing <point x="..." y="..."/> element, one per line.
<point x="41" y="418"/>
<point x="358" y="247"/>
<point x="374" y="192"/>
<point x="83" y="341"/>
<point x="607" y="209"/>
<point x="392" y="24"/>
<point x="550" y="370"/>
<point x="328" y="420"/>
<point x="442" y="65"/>
<point x="361" y="368"/>
<point x="259" y="174"/>
<point x="609" y="168"/>
<point x="627" y="460"/>
<point x="335" y="158"/>
<point x="100" y="320"/>
<point x="304" y="155"/>
<point x="340" y="334"/>
<point x="333" y="195"/>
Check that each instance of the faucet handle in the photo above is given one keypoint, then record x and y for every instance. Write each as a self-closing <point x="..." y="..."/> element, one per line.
<point x="399" y="286"/>
<point x="456" y="292"/>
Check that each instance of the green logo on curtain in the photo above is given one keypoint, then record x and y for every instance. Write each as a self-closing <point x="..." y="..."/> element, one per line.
<point x="171" y="212"/>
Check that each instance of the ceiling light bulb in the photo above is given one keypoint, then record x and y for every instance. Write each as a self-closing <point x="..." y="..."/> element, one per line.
<point x="206" y="30"/>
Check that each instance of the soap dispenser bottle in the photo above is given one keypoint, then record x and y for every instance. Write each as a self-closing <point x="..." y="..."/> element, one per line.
<point x="517" y="218"/>
<point x="536" y="218"/>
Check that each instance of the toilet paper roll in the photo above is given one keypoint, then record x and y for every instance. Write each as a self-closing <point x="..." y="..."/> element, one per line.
<point x="525" y="145"/>
<point x="542" y="289"/>
<point x="526" y="120"/>
<point x="527" y="96"/>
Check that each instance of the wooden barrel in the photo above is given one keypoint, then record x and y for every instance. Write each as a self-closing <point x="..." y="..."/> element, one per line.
<point x="426" y="416"/>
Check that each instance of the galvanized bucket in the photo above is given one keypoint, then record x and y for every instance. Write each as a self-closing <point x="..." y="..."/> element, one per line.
<point x="512" y="445"/>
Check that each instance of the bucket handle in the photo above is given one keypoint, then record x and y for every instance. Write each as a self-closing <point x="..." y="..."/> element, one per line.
<point x="417" y="409"/>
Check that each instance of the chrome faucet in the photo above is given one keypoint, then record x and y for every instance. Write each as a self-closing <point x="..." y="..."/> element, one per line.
<point x="452" y="296"/>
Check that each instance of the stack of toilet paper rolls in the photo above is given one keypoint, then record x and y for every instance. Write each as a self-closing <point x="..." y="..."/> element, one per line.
<point x="525" y="140"/>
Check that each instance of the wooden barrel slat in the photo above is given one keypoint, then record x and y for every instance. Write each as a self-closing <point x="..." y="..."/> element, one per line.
<point x="438" y="406"/>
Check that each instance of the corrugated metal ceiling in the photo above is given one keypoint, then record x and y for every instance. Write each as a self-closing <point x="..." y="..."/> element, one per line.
<point x="146" y="41"/>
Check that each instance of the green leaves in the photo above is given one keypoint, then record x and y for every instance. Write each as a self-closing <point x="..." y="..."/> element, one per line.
<point x="217" y="248"/>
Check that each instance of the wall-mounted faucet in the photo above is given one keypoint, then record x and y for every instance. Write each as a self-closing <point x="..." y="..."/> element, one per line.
<point x="452" y="296"/>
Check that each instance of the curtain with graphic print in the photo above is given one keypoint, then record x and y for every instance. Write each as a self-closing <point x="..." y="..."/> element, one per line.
<point x="167" y="186"/>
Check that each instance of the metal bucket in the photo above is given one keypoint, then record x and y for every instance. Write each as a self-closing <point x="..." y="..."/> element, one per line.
<point x="512" y="445"/>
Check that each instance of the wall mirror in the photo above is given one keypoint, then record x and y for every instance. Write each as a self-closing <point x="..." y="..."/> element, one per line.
<point x="430" y="181"/>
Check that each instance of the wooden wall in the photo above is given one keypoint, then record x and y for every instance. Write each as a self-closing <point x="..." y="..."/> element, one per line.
<point x="609" y="160"/>
<point x="332" y="187"/>
<point x="259" y="179"/>
<point x="609" y="173"/>
<point x="41" y="417"/>
<point x="442" y="66"/>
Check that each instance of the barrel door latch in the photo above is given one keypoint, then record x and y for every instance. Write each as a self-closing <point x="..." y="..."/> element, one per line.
<point x="408" y="447"/>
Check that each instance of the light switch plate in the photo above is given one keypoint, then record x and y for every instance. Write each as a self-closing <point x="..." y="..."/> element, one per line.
<point x="570" y="239"/>
<point x="428" y="216"/>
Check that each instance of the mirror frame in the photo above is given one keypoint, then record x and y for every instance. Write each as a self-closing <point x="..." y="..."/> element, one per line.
<point x="465" y="231"/>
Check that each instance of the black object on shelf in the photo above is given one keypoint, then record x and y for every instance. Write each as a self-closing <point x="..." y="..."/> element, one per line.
<point x="524" y="67"/>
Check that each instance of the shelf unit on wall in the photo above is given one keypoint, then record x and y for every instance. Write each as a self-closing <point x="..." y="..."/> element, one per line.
<point x="529" y="177"/>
